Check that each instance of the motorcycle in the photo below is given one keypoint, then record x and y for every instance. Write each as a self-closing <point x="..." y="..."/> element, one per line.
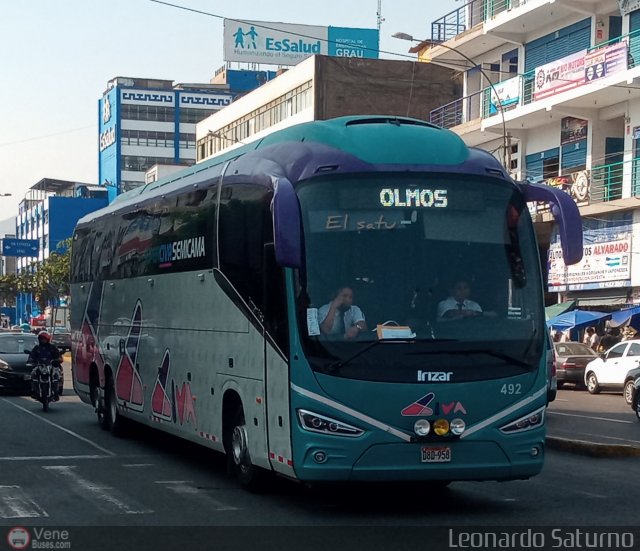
<point x="46" y="379"/>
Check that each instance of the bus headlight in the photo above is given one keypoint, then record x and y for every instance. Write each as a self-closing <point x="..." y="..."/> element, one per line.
<point x="315" y="422"/>
<point x="422" y="427"/>
<point x="457" y="426"/>
<point x="530" y="421"/>
<point x="441" y="427"/>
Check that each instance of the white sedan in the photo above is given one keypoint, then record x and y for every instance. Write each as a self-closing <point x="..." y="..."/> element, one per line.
<point x="610" y="372"/>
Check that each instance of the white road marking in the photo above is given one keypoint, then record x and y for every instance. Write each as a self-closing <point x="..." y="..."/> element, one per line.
<point x="186" y="488"/>
<point x="15" y="503"/>
<point x="590" y="417"/>
<point x="63" y="429"/>
<point x="107" y="498"/>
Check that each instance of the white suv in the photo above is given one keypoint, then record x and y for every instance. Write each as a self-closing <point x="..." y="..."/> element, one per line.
<point x="610" y="373"/>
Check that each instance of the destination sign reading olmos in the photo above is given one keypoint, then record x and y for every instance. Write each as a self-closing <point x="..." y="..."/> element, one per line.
<point x="418" y="198"/>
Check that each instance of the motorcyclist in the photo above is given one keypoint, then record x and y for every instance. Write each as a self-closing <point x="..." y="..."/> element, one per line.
<point x="44" y="353"/>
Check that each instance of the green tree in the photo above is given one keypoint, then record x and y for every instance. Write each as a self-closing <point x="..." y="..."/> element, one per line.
<point x="48" y="280"/>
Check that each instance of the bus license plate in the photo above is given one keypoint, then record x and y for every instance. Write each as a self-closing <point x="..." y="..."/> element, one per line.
<point x="436" y="455"/>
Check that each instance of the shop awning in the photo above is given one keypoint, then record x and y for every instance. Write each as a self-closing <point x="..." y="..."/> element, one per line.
<point x="629" y="316"/>
<point x="560" y="308"/>
<point x="601" y="297"/>
<point x="577" y="319"/>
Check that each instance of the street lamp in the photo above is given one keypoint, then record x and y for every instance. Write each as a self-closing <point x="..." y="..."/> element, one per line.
<point x="432" y="43"/>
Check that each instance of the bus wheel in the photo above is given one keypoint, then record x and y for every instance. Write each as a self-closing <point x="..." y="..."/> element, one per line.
<point x="115" y="421"/>
<point x="94" y="393"/>
<point x="250" y="477"/>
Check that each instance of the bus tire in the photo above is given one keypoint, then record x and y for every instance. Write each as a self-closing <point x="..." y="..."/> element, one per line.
<point x="249" y="476"/>
<point x="98" y="405"/>
<point x="115" y="422"/>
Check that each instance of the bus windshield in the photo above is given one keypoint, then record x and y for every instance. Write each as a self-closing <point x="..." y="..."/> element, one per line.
<point x="436" y="273"/>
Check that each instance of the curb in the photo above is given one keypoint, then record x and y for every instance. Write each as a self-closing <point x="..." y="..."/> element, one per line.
<point x="591" y="449"/>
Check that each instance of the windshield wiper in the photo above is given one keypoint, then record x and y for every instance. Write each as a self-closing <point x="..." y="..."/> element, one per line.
<point x="333" y="367"/>
<point x="500" y="355"/>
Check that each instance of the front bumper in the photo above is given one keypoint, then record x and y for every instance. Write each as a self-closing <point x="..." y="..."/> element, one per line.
<point x="15" y="381"/>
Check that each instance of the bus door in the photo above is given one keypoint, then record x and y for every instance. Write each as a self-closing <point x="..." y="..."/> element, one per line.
<point x="276" y="353"/>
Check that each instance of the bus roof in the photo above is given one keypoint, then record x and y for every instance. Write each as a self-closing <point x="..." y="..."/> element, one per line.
<point x="371" y="140"/>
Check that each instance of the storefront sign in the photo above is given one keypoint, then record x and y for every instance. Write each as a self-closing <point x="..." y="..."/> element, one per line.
<point x="601" y="263"/>
<point x="573" y="130"/>
<point x="576" y="184"/>
<point x="508" y="92"/>
<point x="559" y="76"/>
<point x="605" y="61"/>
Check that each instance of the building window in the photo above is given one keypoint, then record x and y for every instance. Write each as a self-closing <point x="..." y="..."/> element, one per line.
<point x="258" y="120"/>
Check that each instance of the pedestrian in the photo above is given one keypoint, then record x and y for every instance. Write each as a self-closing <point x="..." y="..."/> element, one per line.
<point x="591" y="338"/>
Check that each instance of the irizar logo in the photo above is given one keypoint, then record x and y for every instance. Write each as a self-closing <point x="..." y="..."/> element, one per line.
<point x="434" y="376"/>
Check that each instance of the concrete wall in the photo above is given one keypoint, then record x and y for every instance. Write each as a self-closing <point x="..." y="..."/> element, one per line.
<point x="353" y="86"/>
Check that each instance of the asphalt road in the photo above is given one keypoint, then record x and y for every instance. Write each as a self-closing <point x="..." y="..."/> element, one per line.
<point x="61" y="468"/>
<point x="600" y="418"/>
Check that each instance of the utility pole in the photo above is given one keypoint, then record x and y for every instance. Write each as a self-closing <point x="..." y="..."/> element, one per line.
<point x="379" y="15"/>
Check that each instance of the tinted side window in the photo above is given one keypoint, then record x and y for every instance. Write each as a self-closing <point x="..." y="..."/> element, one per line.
<point x="244" y="227"/>
<point x="634" y="349"/>
<point x="616" y="351"/>
<point x="170" y="234"/>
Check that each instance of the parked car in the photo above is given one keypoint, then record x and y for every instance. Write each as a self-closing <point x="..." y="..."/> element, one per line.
<point x="635" y="391"/>
<point x="610" y="372"/>
<point x="61" y="338"/>
<point x="15" y="375"/>
<point x="571" y="358"/>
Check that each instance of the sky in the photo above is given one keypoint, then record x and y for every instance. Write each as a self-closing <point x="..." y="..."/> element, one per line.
<point x="58" y="55"/>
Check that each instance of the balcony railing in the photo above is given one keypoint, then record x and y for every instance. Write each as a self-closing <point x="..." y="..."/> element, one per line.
<point x="468" y="16"/>
<point x="468" y="108"/>
<point x="522" y="88"/>
<point x="606" y="180"/>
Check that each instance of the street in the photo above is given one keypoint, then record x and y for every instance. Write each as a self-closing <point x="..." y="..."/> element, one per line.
<point x="60" y="468"/>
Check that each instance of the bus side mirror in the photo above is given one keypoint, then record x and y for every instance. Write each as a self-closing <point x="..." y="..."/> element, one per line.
<point x="287" y="224"/>
<point x="567" y="215"/>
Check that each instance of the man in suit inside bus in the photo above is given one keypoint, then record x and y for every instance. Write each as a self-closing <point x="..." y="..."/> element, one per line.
<point x="341" y="317"/>
<point x="458" y="305"/>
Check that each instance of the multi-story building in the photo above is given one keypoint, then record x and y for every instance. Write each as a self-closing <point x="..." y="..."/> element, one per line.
<point x="553" y="88"/>
<point x="48" y="215"/>
<point x="145" y="122"/>
<point x="49" y="212"/>
<point x="148" y="122"/>
<point x="323" y="87"/>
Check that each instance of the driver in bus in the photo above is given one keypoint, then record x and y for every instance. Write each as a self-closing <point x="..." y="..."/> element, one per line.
<point x="342" y="317"/>
<point x="458" y="305"/>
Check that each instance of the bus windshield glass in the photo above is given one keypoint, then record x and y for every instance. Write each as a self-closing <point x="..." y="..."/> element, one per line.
<point x="411" y="273"/>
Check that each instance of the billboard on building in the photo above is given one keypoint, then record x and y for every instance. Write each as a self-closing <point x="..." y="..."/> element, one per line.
<point x="288" y="44"/>
<point x="108" y="146"/>
<point x="602" y="264"/>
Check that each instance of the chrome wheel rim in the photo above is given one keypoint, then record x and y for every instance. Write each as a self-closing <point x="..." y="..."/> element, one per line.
<point x="239" y="445"/>
<point x="628" y="390"/>
<point x="591" y="382"/>
<point x="113" y="408"/>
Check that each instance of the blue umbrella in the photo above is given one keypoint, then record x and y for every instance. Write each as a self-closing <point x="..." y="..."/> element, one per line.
<point x="577" y="319"/>
<point x="628" y="316"/>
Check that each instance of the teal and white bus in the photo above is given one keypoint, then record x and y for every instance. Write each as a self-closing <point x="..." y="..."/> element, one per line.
<point x="197" y="304"/>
